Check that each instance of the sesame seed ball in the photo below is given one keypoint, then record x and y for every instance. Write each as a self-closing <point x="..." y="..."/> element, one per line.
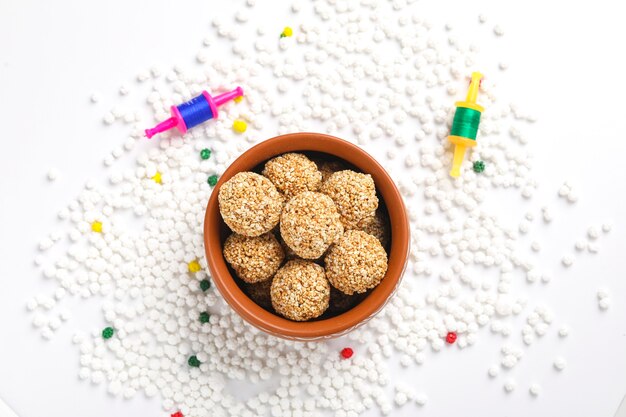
<point x="250" y="204"/>
<point x="354" y="194"/>
<point x="254" y="259"/>
<point x="300" y="291"/>
<point x="293" y="173"/>
<point x="309" y="224"/>
<point x="289" y="253"/>
<point x="377" y="226"/>
<point x="259" y="292"/>
<point x="328" y="168"/>
<point x="356" y="263"/>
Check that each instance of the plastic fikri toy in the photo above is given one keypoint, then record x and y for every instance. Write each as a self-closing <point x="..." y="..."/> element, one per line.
<point x="465" y="124"/>
<point x="193" y="112"/>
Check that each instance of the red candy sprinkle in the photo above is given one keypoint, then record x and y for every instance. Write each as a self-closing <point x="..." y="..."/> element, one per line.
<point x="451" y="337"/>
<point x="177" y="414"/>
<point x="347" y="353"/>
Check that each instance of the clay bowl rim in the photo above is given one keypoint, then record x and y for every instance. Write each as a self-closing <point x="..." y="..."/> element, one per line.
<point x="398" y="254"/>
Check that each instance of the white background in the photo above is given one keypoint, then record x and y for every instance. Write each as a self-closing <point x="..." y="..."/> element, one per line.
<point x="566" y="64"/>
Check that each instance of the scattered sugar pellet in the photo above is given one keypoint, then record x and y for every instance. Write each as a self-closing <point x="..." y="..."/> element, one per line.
<point x="606" y="227"/>
<point x="547" y="214"/>
<point x="593" y="247"/>
<point x="240" y="126"/>
<point x="534" y="389"/>
<point x="602" y="292"/>
<point x="559" y="363"/>
<point x="593" y="232"/>
<point x="563" y="331"/>
<point x="567" y="260"/>
<point x="421" y="399"/>
<point x="493" y="371"/>
<point x="580" y="245"/>
<point x="95" y="97"/>
<point x="535" y="246"/>
<point x="482" y="18"/>
<point x="509" y="385"/>
<point x="604" y="303"/>
<point x="109" y="118"/>
<point x="498" y="30"/>
<point x="96" y="226"/>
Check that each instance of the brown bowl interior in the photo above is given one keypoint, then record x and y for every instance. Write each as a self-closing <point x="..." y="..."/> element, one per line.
<point x="215" y="232"/>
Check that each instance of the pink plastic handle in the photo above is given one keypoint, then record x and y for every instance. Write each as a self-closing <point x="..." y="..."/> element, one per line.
<point x="162" y="127"/>
<point x="223" y="98"/>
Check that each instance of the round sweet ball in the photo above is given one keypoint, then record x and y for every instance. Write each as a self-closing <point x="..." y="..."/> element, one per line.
<point x="328" y="168"/>
<point x="254" y="259"/>
<point x="309" y="224"/>
<point x="356" y="263"/>
<point x="300" y="291"/>
<point x="377" y="226"/>
<point x="354" y="195"/>
<point x="259" y="292"/>
<point x="250" y="204"/>
<point x="293" y="173"/>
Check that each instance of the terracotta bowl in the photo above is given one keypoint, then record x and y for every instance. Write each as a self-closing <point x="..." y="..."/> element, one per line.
<point x="216" y="231"/>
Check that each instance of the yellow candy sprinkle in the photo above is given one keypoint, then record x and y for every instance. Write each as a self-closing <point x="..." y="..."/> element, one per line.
<point x="287" y="31"/>
<point x="96" y="226"/>
<point x="157" y="178"/>
<point x="193" y="266"/>
<point x="238" y="99"/>
<point x="240" y="126"/>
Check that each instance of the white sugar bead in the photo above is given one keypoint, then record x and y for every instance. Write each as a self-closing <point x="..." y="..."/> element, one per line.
<point x="602" y="292"/>
<point x="534" y="389"/>
<point x="509" y="385"/>
<point x="593" y="232"/>
<point x="580" y="245"/>
<point x="559" y="363"/>
<point x="604" y="303"/>
<point x="567" y="260"/>
<point x="53" y="174"/>
<point x="421" y="399"/>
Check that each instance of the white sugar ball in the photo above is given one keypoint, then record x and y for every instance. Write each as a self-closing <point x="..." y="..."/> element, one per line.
<point x="567" y="260"/>
<point x="509" y="385"/>
<point x="604" y="303"/>
<point x="53" y="174"/>
<point x="534" y="389"/>
<point x="593" y="232"/>
<point x="559" y="363"/>
<point x="421" y="399"/>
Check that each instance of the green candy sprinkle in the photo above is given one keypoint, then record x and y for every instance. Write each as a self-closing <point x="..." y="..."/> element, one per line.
<point x="205" y="284"/>
<point x="204" y="317"/>
<point x="108" y="332"/>
<point x="205" y="153"/>
<point x="212" y="180"/>
<point x="193" y="361"/>
<point x="478" y="167"/>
